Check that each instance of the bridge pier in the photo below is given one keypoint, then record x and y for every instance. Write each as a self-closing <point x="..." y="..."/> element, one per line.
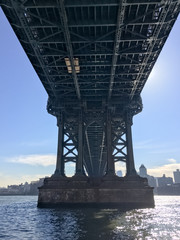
<point x="97" y="187"/>
<point x="113" y="192"/>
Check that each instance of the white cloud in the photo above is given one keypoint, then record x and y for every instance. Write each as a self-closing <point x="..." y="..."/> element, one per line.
<point x="71" y="164"/>
<point x="156" y="171"/>
<point x="43" y="160"/>
<point x="120" y="166"/>
<point x="172" y="160"/>
<point x="166" y="169"/>
<point x="6" y="180"/>
<point x="30" y="178"/>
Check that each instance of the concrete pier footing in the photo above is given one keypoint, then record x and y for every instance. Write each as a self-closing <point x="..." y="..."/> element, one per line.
<point x="108" y="191"/>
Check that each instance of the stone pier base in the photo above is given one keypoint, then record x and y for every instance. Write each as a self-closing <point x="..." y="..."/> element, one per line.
<point x="108" y="191"/>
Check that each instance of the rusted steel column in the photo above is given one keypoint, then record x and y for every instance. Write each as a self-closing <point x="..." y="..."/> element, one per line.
<point x="60" y="148"/>
<point x="110" y="161"/>
<point x="130" y="167"/>
<point x="79" y="162"/>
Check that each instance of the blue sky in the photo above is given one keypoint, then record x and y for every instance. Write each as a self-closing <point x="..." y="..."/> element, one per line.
<point x="28" y="134"/>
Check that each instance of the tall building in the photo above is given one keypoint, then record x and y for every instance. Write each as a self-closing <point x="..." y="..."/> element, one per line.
<point x="142" y="171"/>
<point x="177" y="176"/>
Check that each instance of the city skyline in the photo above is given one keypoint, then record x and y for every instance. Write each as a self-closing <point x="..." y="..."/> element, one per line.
<point x="29" y="134"/>
<point x="144" y="175"/>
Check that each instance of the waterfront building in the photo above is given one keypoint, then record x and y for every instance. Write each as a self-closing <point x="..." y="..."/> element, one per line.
<point x="23" y="189"/>
<point x="176" y="176"/>
<point x="164" y="181"/>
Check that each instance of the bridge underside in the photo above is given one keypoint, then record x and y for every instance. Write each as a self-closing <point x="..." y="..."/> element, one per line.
<point x="93" y="58"/>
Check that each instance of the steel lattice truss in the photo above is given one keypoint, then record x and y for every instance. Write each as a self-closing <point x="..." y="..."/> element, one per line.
<point x="92" y="55"/>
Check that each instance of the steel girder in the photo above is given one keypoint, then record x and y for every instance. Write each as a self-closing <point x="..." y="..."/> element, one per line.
<point x="105" y="36"/>
<point x="93" y="57"/>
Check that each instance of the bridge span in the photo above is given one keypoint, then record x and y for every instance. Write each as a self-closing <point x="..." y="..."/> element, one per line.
<point x="93" y="58"/>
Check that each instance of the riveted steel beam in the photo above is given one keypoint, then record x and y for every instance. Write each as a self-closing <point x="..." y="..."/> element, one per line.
<point x="63" y="16"/>
<point x="23" y="21"/>
<point x="156" y="32"/>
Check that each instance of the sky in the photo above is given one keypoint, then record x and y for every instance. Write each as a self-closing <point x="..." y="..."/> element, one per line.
<point x="28" y="134"/>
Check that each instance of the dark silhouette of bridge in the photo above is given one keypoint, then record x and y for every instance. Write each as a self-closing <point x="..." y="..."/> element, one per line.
<point x="93" y="58"/>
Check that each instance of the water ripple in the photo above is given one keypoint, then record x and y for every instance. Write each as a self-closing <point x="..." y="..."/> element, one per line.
<point x="22" y="220"/>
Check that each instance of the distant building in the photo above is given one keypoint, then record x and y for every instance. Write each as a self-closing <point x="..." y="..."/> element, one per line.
<point x="142" y="171"/>
<point x="173" y="189"/>
<point x="119" y="173"/>
<point x="164" y="181"/>
<point x="151" y="179"/>
<point x="23" y="189"/>
<point x="26" y="188"/>
<point x="177" y="176"/>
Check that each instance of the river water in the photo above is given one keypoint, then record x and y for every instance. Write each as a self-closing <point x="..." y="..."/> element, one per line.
<point x="20" y="219"/>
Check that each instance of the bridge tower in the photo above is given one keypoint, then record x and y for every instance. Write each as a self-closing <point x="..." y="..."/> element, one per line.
<point x="93" y="59"/>
<point x="94" y="139"/>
